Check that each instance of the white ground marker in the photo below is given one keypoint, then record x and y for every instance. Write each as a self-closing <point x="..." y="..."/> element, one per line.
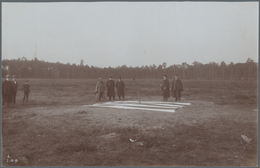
<point x="144" y="105"/>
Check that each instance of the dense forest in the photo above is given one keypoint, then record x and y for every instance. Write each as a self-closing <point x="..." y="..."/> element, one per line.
<point x="35" y="68"/>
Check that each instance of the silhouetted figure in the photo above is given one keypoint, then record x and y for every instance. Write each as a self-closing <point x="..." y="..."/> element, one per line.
<point x="177" y="88"/>
<point x="111" y="88"/>
<point x="165" y="88"/>
<point x="99" y="90"/>
<point x="15" y="86"/>
<point x="120" y="89"/>
<point x="26" y="89"/>
<point x="7" y="91"/>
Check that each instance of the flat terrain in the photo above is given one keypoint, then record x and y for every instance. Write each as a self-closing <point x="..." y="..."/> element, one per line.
<point x="55" y="128"/>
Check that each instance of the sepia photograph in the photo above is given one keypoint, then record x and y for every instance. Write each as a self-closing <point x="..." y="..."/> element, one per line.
<point x="117" y="83"/>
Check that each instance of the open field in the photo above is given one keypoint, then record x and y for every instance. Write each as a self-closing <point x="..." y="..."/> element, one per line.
<point x="55" y="128"/>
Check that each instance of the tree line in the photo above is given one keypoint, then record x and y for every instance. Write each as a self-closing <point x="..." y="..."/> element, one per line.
<point x="24" y="68"/>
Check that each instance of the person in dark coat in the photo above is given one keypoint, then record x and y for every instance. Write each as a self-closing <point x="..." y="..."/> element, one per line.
<point x="7" y="91"/>
<point x="15" y="85"/>
<point x="26" y="89"/>
<point x="177" y="88"/>
<point x="111" y="88"/>
<point x="99" y="90"/>
<point x="165" y="88"/>
<point x="120" y="89"/>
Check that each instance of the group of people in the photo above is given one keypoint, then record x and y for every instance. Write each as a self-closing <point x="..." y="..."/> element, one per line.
<point x="110" y="85"/>
<point x="176" y="89"/>
<point x="9" y="90"/>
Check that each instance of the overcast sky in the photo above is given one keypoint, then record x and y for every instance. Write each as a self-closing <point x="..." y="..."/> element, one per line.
<point x="131" y="33"/>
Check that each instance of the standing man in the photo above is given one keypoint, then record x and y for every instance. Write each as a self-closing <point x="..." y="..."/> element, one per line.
<point x="15" y="85"/>
<point x="111" y="88"/>
<point x="120" y="89"/>
<point x="26" y="89"/>
<point x="177" y="88"/>
<point x="7" y="91"/>
<point x="165" y="88"/>
<point x="99" y="90"/>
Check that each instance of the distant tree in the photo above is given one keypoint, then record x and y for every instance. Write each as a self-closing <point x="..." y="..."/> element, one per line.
<point x="5" y="69"/>
<point x="214" y="68"/>
<point x="152" y="68"/>
<point x="196" y="67"/>
<point x="231" y="70"/>
<point x="249" y="60"/>
<point x="159" y="71"/>
<point x="164" y="67"/>
<point x="249" y="68"/>
<point x="223" y="67"/>
<point x="124" y="71"/>
<point x="184" y="67"/>
<point x="24" y="58"/>
<point x="24" y="68"/>
<point x="82" y="68"/>
<point x="82" y="62"/>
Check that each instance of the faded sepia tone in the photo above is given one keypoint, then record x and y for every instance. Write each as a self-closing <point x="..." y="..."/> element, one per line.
<point x="130" y="84"/>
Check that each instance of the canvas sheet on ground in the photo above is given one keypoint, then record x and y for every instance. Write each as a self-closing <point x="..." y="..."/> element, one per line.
<point x="143" y="105"/>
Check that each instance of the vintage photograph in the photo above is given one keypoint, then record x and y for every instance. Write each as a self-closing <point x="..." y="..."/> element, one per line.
<point x="129" y="83"/>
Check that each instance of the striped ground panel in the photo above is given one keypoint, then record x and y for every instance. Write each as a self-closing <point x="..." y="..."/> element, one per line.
<point x="143" y="105"/>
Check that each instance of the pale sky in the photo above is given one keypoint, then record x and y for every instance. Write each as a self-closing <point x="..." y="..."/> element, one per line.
<point x="131" y="33"/>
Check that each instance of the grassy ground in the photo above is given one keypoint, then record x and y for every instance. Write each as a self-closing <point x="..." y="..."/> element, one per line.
<point x="55" y="128"/>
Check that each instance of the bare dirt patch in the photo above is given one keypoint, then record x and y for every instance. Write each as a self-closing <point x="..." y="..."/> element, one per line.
<point x="67" y="133"/>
